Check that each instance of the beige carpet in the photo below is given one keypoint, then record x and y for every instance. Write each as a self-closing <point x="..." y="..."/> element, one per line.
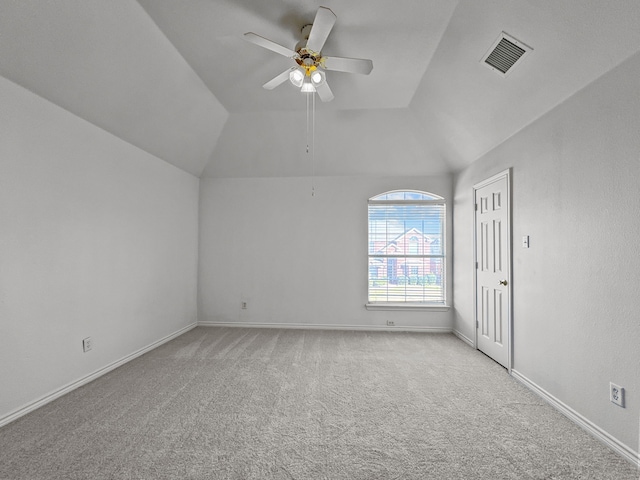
<point x="231" y="403"/>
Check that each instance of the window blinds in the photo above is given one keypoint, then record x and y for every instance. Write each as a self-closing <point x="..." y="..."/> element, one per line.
<point x="406" y="251"/>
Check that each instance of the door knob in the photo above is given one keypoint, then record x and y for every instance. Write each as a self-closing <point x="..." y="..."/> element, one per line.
<point x="503" y="282"/>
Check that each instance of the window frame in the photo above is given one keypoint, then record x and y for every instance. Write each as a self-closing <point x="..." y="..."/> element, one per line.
<point x="433" y="200"/>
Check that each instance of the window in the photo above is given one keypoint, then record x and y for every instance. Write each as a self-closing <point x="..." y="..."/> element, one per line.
<point x="406" y="255"/>
<point x="414" y="246"/>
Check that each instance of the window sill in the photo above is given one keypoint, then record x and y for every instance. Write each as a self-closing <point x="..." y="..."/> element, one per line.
<point x="407" y="306"/>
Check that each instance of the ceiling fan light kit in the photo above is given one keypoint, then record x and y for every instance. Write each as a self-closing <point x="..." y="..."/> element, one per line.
<point x="308" y="55"/>
<point x="307" y="86"/>
<point x="296" y="77"/>
<point x="317" y="78"/>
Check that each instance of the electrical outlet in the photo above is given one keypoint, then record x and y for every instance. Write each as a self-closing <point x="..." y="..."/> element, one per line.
<point x="87" y="344"/>
<point x="391" y="323"/>
<point x="243" y="305"/>
<point x="616" y="394"/>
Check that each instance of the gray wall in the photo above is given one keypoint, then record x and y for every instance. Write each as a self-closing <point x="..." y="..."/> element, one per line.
<point x="294" y="258"/>
<point x="97" y="238"/>
<point x="575" y="291"/>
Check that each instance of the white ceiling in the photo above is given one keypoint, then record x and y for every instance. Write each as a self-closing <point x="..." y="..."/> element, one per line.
<point x="400" y="38"/>
<point x="177" y="79"/>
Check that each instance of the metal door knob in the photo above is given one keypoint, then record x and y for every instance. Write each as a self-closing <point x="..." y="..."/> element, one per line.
<point x="503" y="282"/>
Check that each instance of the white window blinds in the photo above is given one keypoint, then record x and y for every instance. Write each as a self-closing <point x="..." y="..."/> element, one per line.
<point x="406" y="248"/>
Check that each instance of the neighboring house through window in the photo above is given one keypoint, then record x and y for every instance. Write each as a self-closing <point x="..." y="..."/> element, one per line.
<point x="406" y="259"/>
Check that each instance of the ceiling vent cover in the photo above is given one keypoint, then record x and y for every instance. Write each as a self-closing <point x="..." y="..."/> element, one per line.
<point x="505" y="53"/>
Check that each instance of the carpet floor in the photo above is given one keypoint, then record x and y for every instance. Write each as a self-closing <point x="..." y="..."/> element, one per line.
<point x="234" y="403"/>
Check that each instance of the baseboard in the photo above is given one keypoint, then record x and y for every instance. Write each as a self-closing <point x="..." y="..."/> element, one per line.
<point x="464" y="338"/>
<point x="317" y="326"/>
<point x="609" y="440"/>
<point x="14" y="415"/>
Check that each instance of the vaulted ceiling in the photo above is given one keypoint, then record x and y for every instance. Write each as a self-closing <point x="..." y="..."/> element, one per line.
<point x="177" y="79"/>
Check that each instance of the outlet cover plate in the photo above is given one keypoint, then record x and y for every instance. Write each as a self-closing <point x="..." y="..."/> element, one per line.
<point x="87" y="344"/>
<point x="616" y="394"/>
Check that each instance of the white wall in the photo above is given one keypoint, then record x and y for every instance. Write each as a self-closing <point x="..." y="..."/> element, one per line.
<point x="97" y="238"/>
<point x="576" y="302"/>
<point x="347" y="143"/>
<point x="109" y="63"/>
<point x="294" y="258"/>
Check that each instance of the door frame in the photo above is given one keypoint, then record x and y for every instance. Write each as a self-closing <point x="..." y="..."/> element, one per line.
<point x="505" y="173"/>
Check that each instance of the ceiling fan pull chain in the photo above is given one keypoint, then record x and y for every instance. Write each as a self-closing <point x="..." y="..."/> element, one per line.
<point x="313" y="145"/>
<point x="307" y="123"/>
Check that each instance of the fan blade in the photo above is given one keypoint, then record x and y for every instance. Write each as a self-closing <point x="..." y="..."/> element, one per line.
<point x="324" y="92"/>
<point x="349" y="65"/>
<point x="269" y="45"/>
<point x="321" y="28"/>
<point x="274" y="82"/>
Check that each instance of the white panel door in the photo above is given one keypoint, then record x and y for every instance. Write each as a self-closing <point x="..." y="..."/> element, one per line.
<point x="492" y="269"/>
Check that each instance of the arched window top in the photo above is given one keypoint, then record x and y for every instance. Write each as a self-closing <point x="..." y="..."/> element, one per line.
<point x="405" y="195"/>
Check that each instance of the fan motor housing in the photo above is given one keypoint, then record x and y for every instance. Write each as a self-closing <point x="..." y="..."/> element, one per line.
<point x="308" y="60"/>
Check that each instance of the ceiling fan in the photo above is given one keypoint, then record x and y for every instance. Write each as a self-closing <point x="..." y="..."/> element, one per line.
<point x="308" y="75"/>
